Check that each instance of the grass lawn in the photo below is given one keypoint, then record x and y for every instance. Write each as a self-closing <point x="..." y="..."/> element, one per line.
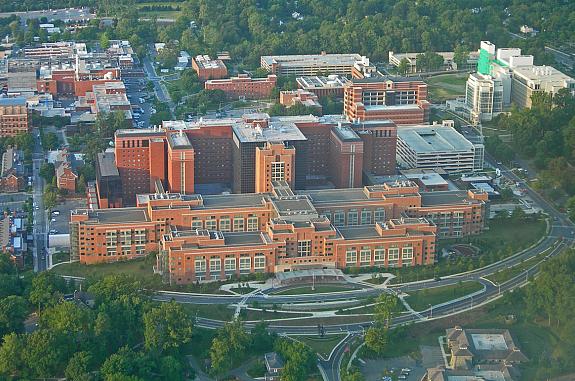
<point x="252" y="315"/>
<point x="446" y="86"/>
<point x="321" y="345"/>
<point x="420" y="300"/>
<point x="318" y="289"/>
<point x="210" y="311"/>
<point x="141" y="269"/>
<point x="505" y="232"/>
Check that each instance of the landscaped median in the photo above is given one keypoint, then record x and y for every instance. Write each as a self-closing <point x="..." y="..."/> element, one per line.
<point x="321" y="345"/>
<point x="503" y="276"/>
<point x="420" y="300"/>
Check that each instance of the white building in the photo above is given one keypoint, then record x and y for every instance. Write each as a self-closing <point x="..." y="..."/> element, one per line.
<point x="483" y="97"/>
<point x="437" y="146"/>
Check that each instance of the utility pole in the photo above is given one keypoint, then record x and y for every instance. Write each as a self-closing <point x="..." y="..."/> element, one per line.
<point x="431" y="311"/>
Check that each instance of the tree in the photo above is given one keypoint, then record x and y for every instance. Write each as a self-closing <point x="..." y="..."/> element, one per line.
<point x="45" y="352"/>
<point x="104" y="41"/>
<point x="47" y="171"/>
<point x="461" y="56"/>
<point x="13" y="312"/>
<point x="50" y="198"/>
<point x="404" y="66"/>
<point x="385" y="308"/>
<point x="78" y="368"/>
<point x="47" y="289"/>
<point x="228" y="346"/>
<point x="11" y="362"/>
<point x="299" y="360"/>
<point x="376" y="339"/>
<point x="167" y="327"/>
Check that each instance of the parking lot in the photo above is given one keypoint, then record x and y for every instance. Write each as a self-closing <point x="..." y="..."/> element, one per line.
<point x="136" y="92"/>
<point x="60" y="218"/>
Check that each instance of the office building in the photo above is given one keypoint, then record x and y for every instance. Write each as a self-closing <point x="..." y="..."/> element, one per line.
<point x="529" y="80"/>
<point x="243" y="86"/>
<point x="353" y="65"/>
<point x="13" y="116"/>
<point x="400" y="99"/>
<point x="214" y="237"/>
<point x="437" y="147"/>
<point x="224" y="153"/>
<point x="448" y="63"/>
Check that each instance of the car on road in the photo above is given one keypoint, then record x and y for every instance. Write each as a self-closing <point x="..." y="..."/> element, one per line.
<point x="56" y="212"/>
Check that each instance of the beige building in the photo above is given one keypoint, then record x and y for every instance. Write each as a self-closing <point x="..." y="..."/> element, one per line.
<point x="529" y="80"/>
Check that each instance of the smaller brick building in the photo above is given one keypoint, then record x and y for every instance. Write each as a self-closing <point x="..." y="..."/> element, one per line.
<point x="13" y="116"/>
<point x="244" y="87"/>
<point x="207" y="68"/>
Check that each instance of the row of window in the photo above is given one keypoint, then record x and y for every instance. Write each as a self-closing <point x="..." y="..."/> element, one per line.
<point x="230" y="263"/>
<point x="240" y="224"/>
<point x="354" y="217"/>
<point x="378" y="255"/>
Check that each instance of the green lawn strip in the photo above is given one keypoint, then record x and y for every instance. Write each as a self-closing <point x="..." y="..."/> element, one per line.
<point x="242" y="290"/>
<point x="446" y="86"/>
<point x="509" y="273"/>
<point x="503" y="239"/>
<point x="254" y="315"/>
<point x="321" y="345"/>
<point x="420" y="300"/>
<point x="367" y="309"/>
<point x="323" y="320"/>
<point x="317" y="289"/>
<point x="210" y="311"/>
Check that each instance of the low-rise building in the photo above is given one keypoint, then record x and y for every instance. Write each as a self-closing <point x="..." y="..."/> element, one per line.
<point x="529" y="80"/>
<point x="274" y="366"/>
<point x="448" y="61"/>
<point x="437" y="147"/>
<point x="332" y="85"/>
<point x="12" y="171"/>
<point x="290" y="98"/>
<point x="243" y="86"/>
<point x="207" y="68"/>
<point x="353" y="65"/>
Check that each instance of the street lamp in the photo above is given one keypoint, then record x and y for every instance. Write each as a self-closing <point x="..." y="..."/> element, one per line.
<point x="431" y="311"/>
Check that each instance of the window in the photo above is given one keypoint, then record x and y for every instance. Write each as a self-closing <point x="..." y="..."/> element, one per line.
<point x="304" y="248"/>
<point x="230" y="264"/>
<point x="407" y="253"/>
<point x="365" y="256"/>
<point x="238" y="224"/>
<point x="140" y="250"/>
<point x="366" y="217"/>
<point x="350" y="257"/>
<point x="339" y="218"/>
<point x="200" y="265"/>
<point x="111" y="238"/>
<point x="278" y="171"/>
<point x="253" y="224"/>
<point x="215" y="264"/>
<point x="225" y="224"/>
<point x="245" y="264"/>
<point x="197" y="224"/>
<point x="379" y="215"/>
<point x="393" y="254"/>
<point x="352" y="217"/>
<point x="140" y="236"/>
<point x="379" y="255"/>
<point x="211" y="224"/>
<point x="259" y="262"/>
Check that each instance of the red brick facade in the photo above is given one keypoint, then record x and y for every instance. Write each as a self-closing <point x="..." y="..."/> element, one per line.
<point x="244" y="87"/>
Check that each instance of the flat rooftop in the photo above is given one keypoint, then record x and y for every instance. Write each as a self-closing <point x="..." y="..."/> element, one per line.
<point x="542" y="74"/>
<point x="346" y="134"/>
<point x="179" y="141"/>
<point x="205" y="62"/>
<point x="335" y="195"/>
<point x="358" y="232"/>
<point x="116" y="216"/>
<point x="19" y="101"/>
<point x="277" y="131"/>
<point x="312" y="59"/>
<point x="392" y="107"/>
<point x="243" y="238"/>
<point x="385" y="78"/>
<point x="445" y="198"/>
<point x="434" y="138"/>
<point x="320" y="82"/>
<point x="234" y="200"/>
<point x="489" y="341"/>
<point x="107" y="164"/>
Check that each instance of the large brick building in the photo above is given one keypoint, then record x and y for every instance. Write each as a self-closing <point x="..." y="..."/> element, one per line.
<point x="207" y="68"/>
<point x="243" y="86"/>
<point x="403" y="100"/>
<point x="322" y="150"/>
<point x="13" y="116"/>
<point x="213" y="237"/>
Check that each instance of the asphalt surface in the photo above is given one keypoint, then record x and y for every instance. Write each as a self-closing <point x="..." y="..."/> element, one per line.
<point x="159" y="88"/>
<point x="66" y="14"/>
<point x="40" y="222"/>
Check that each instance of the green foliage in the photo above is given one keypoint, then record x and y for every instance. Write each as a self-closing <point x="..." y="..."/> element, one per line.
<point x="429" y="61"/>
<point x="299" y="360"/>
<point x="167" y="327"/>
<point x="47" y="289"/>
<point x="376" y="339"/>
<point x="79" y="367"/>
<point x="47" y="172"/>
<point x="13" y="312"/>
<point x="228" y="347"/>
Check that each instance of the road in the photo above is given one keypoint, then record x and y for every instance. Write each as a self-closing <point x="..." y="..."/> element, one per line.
<point x="70" y="14"/>
<point x="40" y="221"/>
<point x="159" y="88"/>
